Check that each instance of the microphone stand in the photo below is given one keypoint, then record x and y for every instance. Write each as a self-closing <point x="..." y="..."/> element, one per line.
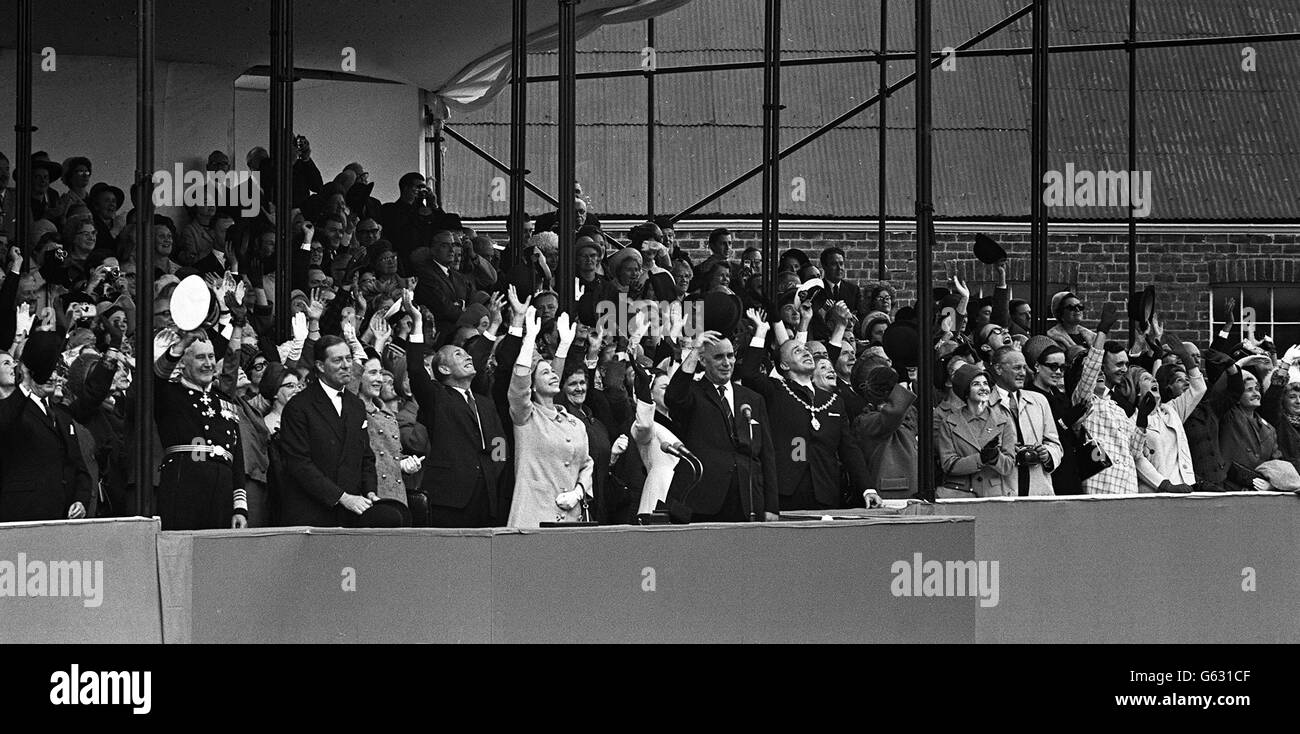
<point x="746" y="412"/>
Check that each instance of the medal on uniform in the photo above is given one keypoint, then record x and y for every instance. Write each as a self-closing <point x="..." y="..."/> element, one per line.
<point x="814" y="423"/>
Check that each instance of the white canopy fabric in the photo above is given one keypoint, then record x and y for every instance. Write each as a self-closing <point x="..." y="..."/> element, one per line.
<point x="457" y="49"/>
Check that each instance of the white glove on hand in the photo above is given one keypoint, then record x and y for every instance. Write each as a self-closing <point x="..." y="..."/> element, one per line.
<point x="568" y="500"/>
<point x="620" y="445"/>
<point x="25" y="319"/>
<point x="412" y="464"/>
<point x="300" y="327"/>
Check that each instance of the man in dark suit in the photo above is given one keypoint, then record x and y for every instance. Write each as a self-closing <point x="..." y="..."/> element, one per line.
<point x="328" y="476"/>
<point x="441" y="289"/>
<point x="407" y="221"/>
<point x="42" y="473"/>
<point x="810" y="425"/>
<point x="740" y="478"/>
<point x="467" y="446"/>
<point x="838" y="288"/>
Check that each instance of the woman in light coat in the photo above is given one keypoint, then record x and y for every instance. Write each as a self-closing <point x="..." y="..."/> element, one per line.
<point x="553" y="469"/>
<point x="974" y="442"/>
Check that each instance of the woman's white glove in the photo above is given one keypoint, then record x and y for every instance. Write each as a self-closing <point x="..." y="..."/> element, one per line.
<point x="620" y="445"/>
<point x="568" y="332"/>
<point x="568" y="500"/>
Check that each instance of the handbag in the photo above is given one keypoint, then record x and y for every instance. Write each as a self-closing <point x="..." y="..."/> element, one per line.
<point x="1089" y="456"/>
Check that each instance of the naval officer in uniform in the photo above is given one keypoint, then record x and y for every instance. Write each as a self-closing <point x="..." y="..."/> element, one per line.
<point x="202" y="482"/>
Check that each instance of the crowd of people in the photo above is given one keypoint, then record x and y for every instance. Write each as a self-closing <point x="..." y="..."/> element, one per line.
<point x="432" y="377"/>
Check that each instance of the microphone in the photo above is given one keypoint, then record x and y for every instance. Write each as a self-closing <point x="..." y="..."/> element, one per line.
<point x="678" y="450"/>
<point x="747" y="413"/>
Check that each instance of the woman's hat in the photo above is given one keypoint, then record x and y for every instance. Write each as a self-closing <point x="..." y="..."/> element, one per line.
<point x="963" y="377"/>
<point x="615" y="261"/>
<point x="101" y="187"/>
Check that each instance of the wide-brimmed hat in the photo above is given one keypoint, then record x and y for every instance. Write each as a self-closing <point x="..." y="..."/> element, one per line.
<point x="101" y="187"/>
<point x="55" y="170"/>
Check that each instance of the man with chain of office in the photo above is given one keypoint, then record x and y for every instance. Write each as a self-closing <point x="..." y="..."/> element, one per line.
<point x="811" y="429"/>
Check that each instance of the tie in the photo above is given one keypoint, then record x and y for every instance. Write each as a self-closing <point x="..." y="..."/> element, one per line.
<point x="726" y="410"/>
<point x="473" y="408"/>
<point x="45" y="405"/>
<point x="1022" y="472"/>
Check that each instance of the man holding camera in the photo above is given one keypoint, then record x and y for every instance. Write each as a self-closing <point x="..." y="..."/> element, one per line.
<point x="409" y="221"/>
<point x="1038" y="447"/>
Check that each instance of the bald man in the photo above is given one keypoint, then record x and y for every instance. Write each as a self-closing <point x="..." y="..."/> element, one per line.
<point x="726" y="426"/>
<point x="810" y="426"/>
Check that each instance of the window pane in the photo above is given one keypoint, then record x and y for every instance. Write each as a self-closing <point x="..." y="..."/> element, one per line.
<point x="1285" y="336"/>
<point x="1219" y="312"/>
<point x="1286" y="304"/>
<point x="1257" y="298"/>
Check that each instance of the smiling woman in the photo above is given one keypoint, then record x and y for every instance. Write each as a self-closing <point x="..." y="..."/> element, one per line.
<point x="553" y="468"/>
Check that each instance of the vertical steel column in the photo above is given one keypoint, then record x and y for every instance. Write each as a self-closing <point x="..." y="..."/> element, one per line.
<point x="568" y="149"/>
<point x="1132" y="151"/>
<point x="771" y="227"/>
<point x="282" y="154"/>
<point x="22" y="162"/>
<point x="518" y="127"/>
<point x="881" y="149"/>
<point x="144" y="259"/>
<point x="650" y="120"/>
<point x="1038" y="168"/>
<point x="924" y="258"/>
<point x="437" y="152"/>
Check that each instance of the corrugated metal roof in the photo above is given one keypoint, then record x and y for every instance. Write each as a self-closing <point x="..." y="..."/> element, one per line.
<point x="1222" y="143"/>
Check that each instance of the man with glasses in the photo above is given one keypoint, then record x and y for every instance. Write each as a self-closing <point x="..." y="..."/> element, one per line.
<point x="1068" y="309"/>
<point x="990" y="339"/>
<point x="42" y="473"/>
<point x="1038" y="448"/>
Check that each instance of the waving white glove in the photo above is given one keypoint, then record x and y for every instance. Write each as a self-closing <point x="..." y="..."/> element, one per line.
<point x="568" y="500"/>
<point x="300" y="327"/>
<point x="568" y="332"/>
<point x="1292" y="355"/>
<point x="25" y="319"/>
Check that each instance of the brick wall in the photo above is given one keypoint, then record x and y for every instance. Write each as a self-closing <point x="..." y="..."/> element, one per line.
<point x="1182" y="267"/>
